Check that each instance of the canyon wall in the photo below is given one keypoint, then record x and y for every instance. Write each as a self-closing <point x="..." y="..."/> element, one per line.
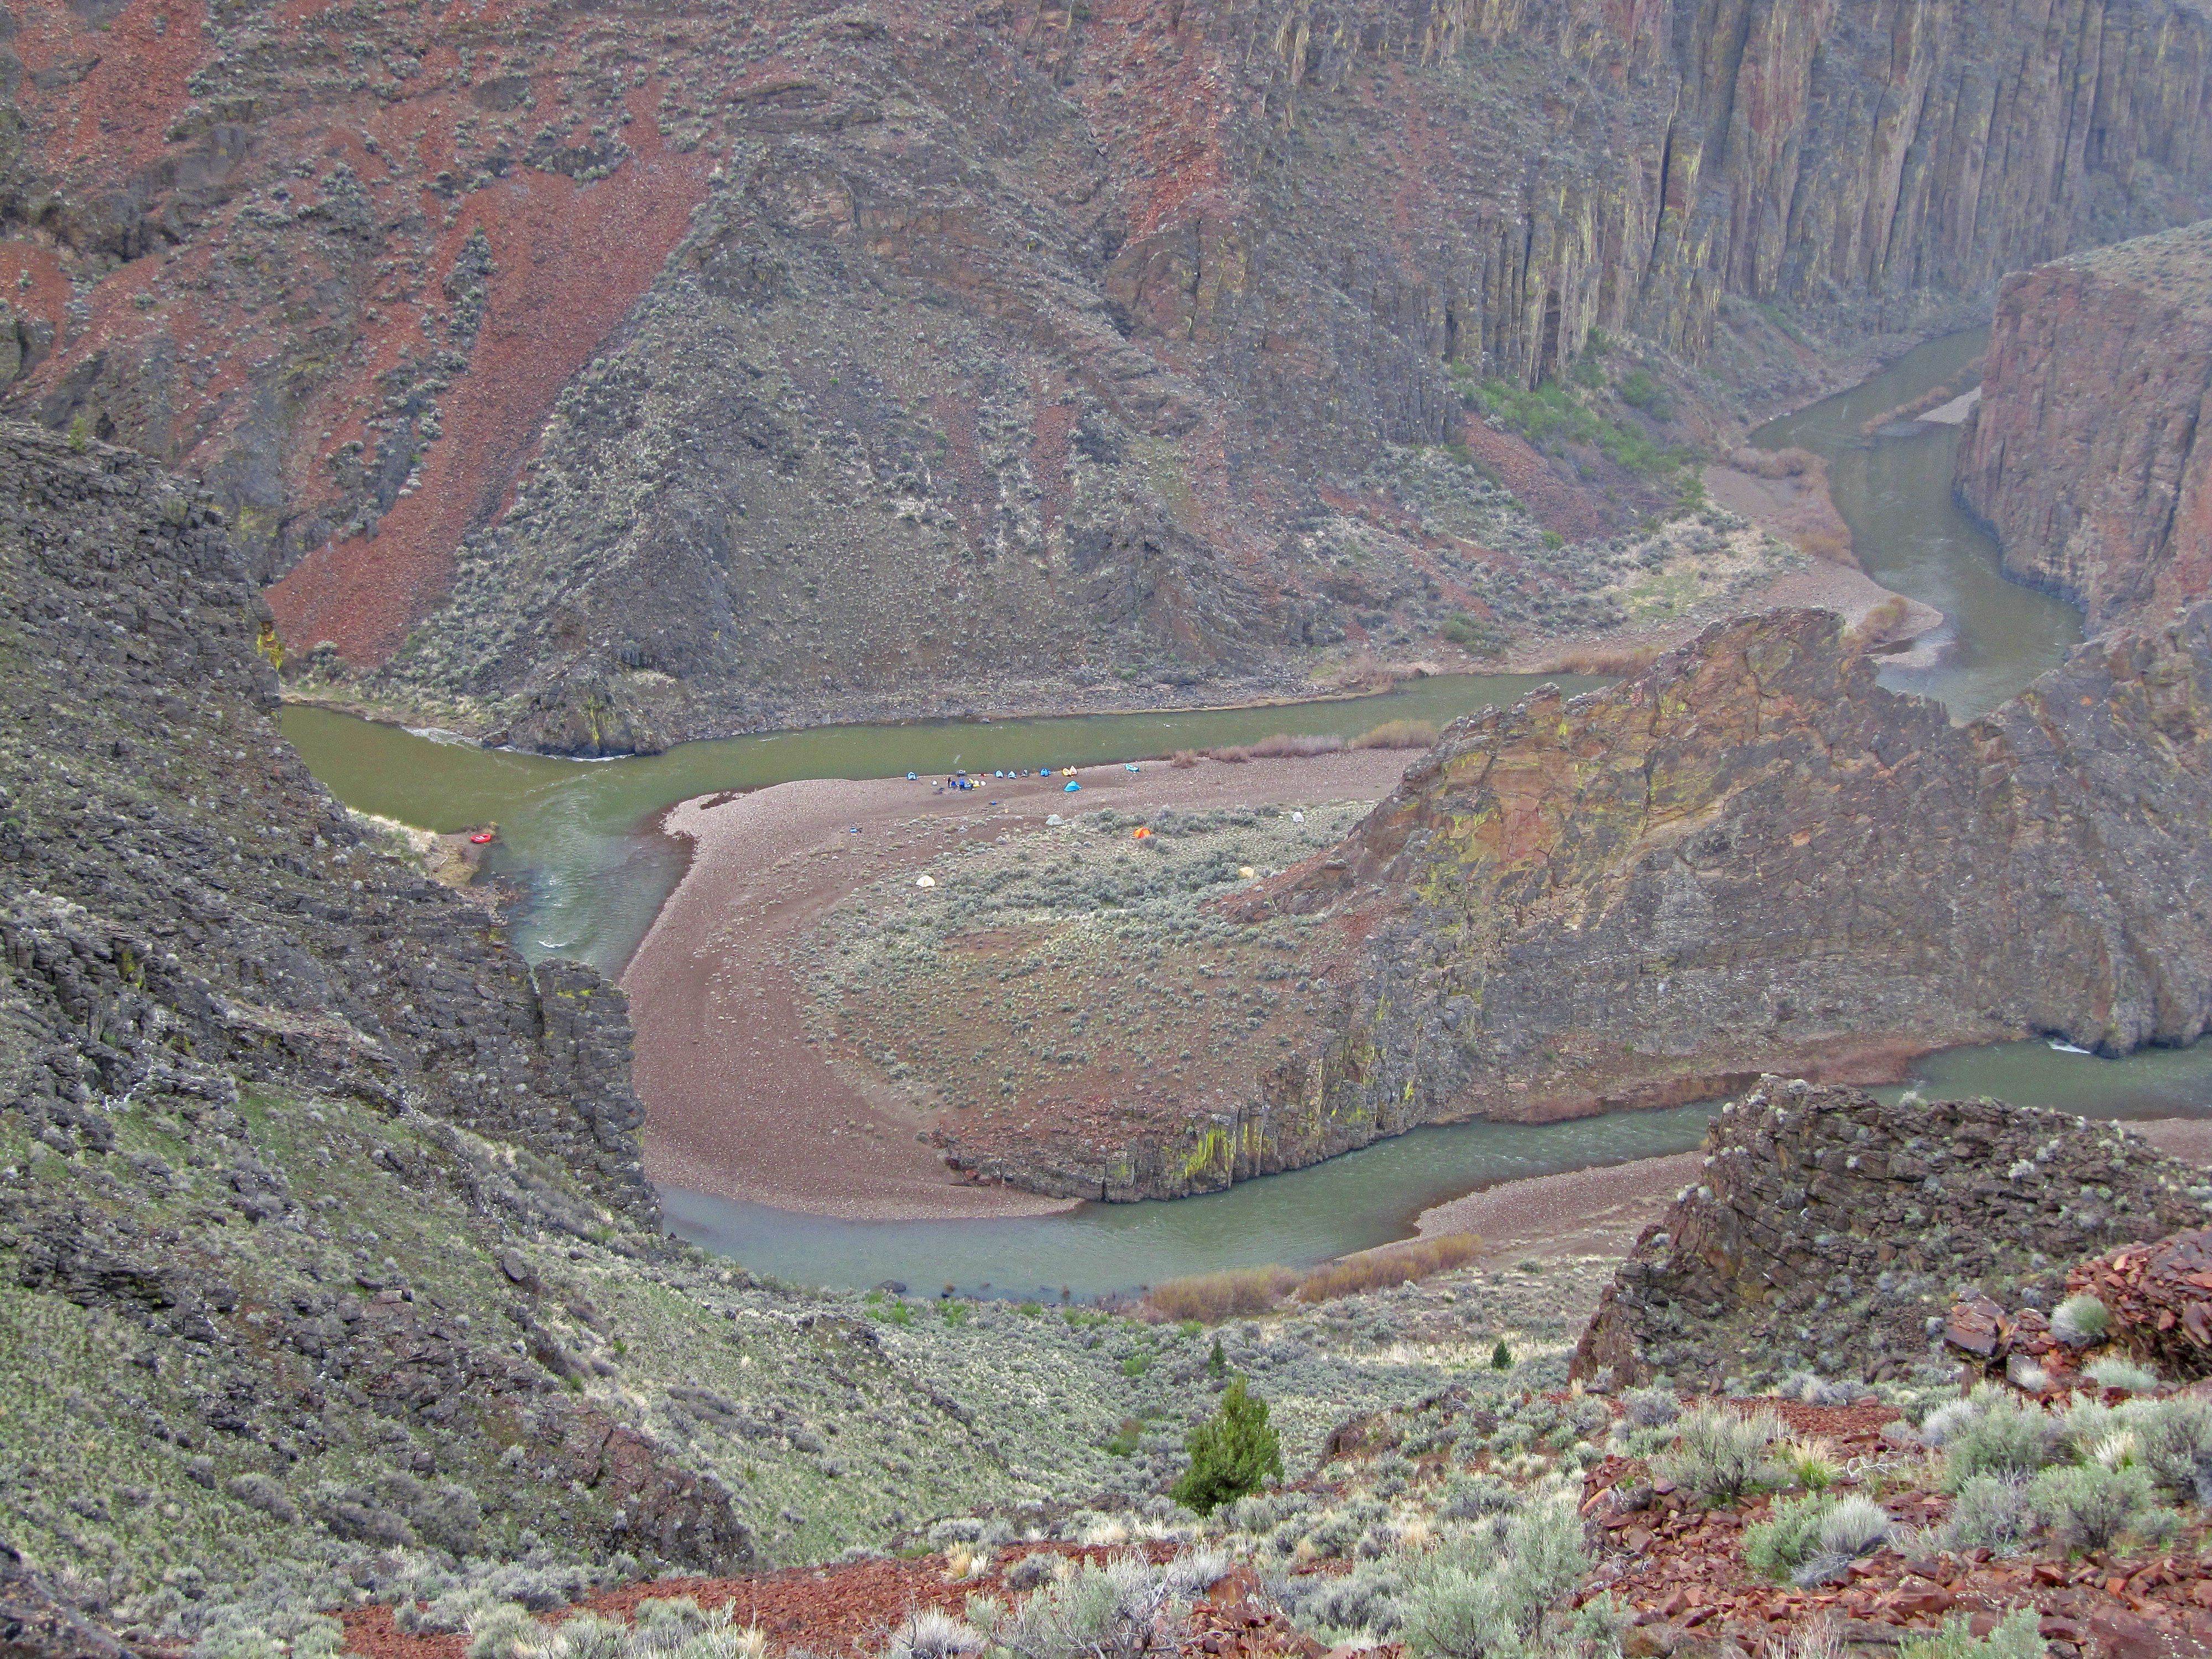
<point x="2085" y="454"/>
<point x="1752" y="858"/>
<point x="602" y="377"/>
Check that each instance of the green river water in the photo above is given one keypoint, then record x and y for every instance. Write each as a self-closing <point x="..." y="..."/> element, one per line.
<point x="581" y="836"/>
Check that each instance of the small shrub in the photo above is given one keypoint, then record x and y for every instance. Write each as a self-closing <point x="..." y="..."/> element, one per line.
<point x="2087" y="1506"/>
<point x="2111" y="1371"/>
<point x="1989" y="1512"/>
<point x="1857" y="1526"/>
<point x="1810" y="1464"/>
<point x="1032" y="1570"/>
<point x="1212" y="1298"/>
<point x="1478" y="1498"/>
<point x="1813" y="1391"/>
<point x="1719" y="1455"/>
<point x="1478" y="636"/>
<point x="2017" y="1636"/>
<point x="1501" y="1357"/>
<point x="1367" y="1601"/>
<point x="2003" y="1438"/>
<point x="1183" y="759"/>
<point x="1650" y="1408"/>
<point x="1940" y="1426"/>
<point x="1111" y="1611"/>
<point x="80" y="434"/>
<point x="1394" y="1264"/>
<point x="504" y="1629"/>
<point x="1789" y="1536"/>
<point x="1462" y="1603"/>
<point x="1232" y="1453"/>
<point x="929" y="1634"/>
<point x="2080" y="1321"/>
<point x="2175" y="1441"/>
<point x="1639" y="391"/>
<point x="1818" y="1637"/>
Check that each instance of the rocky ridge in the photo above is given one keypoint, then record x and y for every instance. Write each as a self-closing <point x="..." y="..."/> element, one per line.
<point x="1750" y="856"/>
<point x="2083" y="454"/>
<point x="1831" y="1233"/>
<point x="879" y="360"/>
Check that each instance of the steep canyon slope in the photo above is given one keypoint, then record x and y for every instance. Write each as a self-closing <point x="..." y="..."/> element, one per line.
<point x="2087" y="454"/>
<point x="1749" y="858"/>
<point x="611" y="374"/>
<point x="324" y="1249"/>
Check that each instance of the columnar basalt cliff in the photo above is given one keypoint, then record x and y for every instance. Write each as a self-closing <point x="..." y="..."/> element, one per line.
<point x="1832" y="1233"/>
<point x="616" y="381"/>
<point x="1749" y="857"/>
<point x="2085" y="455"/>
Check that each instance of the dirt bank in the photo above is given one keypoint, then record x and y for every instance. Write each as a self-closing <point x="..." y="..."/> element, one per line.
<point x="742" y="1101"/>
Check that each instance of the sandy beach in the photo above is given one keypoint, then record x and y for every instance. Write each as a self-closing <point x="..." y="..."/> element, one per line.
<point x="741" y="1100"/>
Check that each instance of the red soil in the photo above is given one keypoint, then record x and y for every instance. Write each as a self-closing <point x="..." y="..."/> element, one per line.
<point x="570" y="261"/>
<point x="1680" y="1567"/>
<point x="854" y="1608"/>
<point x="1556" y="504"/>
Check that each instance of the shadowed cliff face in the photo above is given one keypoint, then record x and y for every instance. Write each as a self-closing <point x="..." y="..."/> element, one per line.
<point x="648" y="377"/>
<point x="2085" y="455"/>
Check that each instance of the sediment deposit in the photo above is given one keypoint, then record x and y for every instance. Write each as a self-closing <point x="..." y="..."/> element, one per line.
<point x="603" y="386"/>
<point x="2086" y="455"/>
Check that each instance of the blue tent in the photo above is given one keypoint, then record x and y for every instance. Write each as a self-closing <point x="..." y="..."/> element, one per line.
<point x="1071" y="788"/>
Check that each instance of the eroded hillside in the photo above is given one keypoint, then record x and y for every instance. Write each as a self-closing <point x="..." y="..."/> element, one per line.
<point x="1749" y="857"/>
<point x="610" y="375"/>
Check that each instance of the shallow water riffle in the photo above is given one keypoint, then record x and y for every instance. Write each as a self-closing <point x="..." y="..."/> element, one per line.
<point x="580" y="833"/>
<point x="1360" y="1199"/>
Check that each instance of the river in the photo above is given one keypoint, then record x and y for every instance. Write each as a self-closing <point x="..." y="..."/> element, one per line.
<point x="580" y="835"/>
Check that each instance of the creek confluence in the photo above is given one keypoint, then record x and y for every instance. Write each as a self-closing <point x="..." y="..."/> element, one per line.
<point x="582" y="836"/>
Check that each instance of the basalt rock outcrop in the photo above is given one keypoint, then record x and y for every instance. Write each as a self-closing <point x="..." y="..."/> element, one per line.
<point x="236" y="1041"/>
<point x="607" y="381"/>
<point x="2085" y="455"/>
<point x="1830" y="1232"/>
<point x="1750" y="858"/>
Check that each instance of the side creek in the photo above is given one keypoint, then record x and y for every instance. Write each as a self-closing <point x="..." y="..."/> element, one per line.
<point x="580" y="836"/>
